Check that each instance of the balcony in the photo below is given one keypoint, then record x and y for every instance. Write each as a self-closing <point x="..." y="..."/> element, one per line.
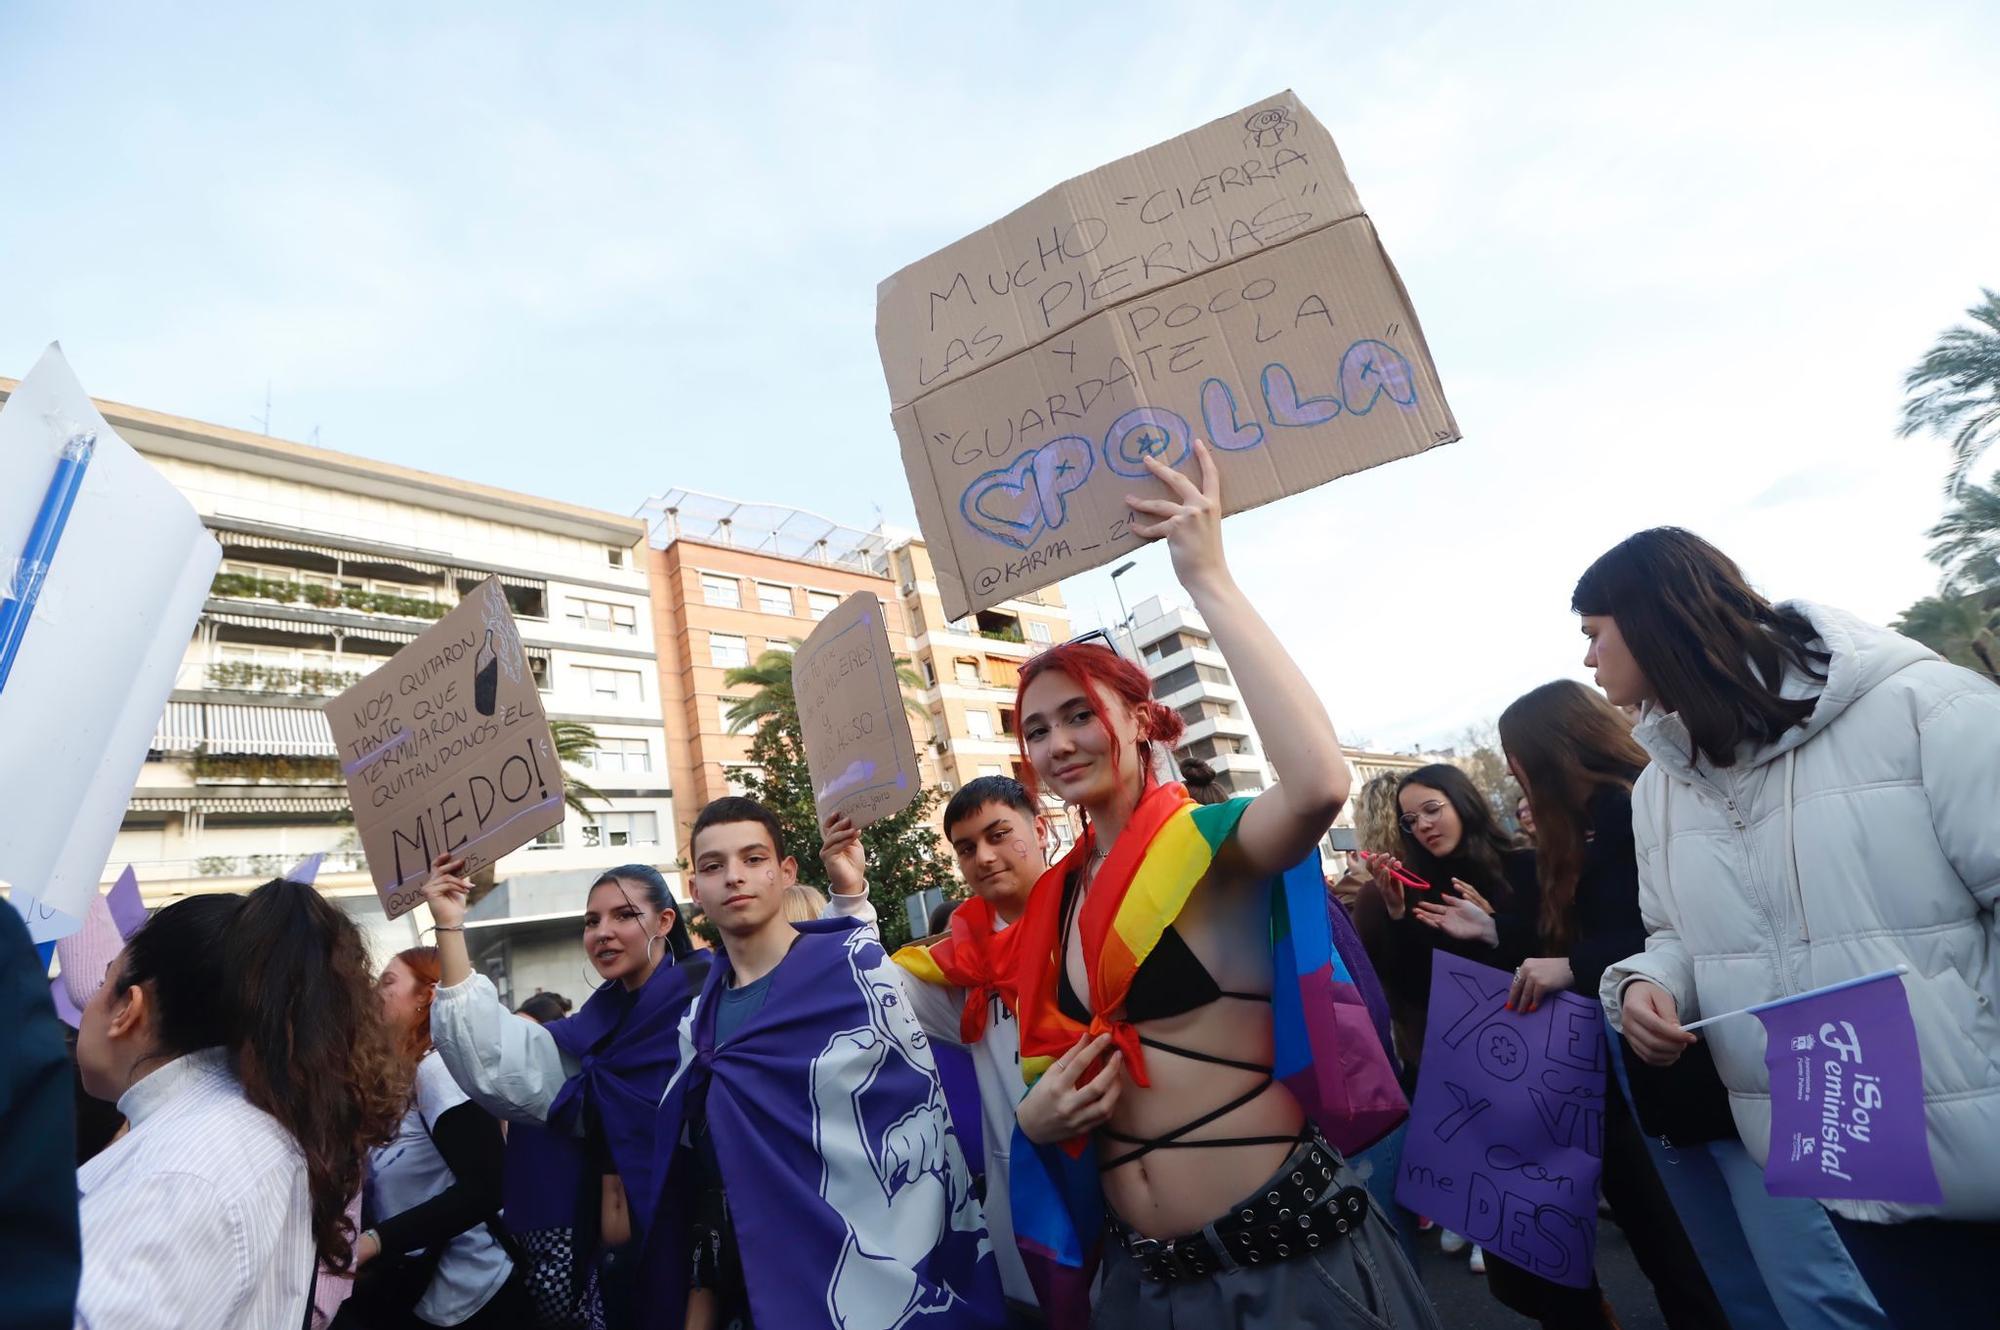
<point x="249" y="677"/>
<point x="242" y="586"/>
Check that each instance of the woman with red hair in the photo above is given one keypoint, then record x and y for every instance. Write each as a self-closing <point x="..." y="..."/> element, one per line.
<point x="433" y="1254"/>
<point x="1146" y="969"/>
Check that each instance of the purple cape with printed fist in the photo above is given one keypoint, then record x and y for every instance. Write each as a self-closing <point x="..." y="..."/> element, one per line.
<point x="1507" y="1132"/>
<point x="849" y="1193"/>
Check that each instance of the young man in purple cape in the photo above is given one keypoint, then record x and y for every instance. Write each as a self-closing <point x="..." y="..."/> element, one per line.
<point x="808" y="1171"/>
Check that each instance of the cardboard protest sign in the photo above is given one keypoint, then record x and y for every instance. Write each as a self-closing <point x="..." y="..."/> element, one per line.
<point x="1847" y="1096"/>
<point x="447" y="747"/>
<point x="104" y="568"/>
<point x="1224" y="285"/>
<point x="859" y="752"/>
<point x="1506" y="1136"/>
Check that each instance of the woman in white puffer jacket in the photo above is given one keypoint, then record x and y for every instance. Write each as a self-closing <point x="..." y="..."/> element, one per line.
<point x="1823" y="802"/>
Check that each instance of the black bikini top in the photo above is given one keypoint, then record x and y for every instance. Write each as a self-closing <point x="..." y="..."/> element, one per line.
<point x="1170" y="981"/>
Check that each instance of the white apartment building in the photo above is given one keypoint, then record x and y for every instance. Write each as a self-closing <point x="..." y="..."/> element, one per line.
<point x="331" y="563"/>
<point x="1173" y="644"/>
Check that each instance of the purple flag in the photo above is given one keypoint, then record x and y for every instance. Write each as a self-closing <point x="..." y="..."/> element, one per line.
<point x="1847" y="1096"/>
<point x="1506" y="1135"/>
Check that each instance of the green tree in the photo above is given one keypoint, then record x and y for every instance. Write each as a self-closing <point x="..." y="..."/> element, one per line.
<point x="1968" y="538"/>
<point x="575" y="742"/>
<point x="1954" y="391"/>
<point x="1962" y="627"/>
<point x="905" y="855"/>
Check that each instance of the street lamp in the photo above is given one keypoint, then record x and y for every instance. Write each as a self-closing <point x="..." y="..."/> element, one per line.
<point x="1124" y="615"/>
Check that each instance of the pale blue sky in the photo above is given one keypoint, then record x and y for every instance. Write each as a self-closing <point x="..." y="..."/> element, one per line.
<point x="1671" y="262"/>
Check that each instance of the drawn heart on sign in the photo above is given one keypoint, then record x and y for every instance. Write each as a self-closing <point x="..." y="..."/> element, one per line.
<point x="1006" y="504"/>
<point x="1018" y="502"/>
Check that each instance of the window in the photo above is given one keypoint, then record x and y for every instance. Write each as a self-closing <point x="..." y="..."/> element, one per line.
<point x="979" y="723"/>
<point x="538" y="666"/>
<point x="615" y="557"/>
<point x="728" y="652"/>
<point x="619" y="755"/>
<point x="551" y="839"/>
<point x="1038" y="632"/>
<point x="819" y="604"/>
<point x="616" y="830"/>
<point x="611" y="685"/>
<point x="598" y="616"/>
<point x="966" y="671"/>
<point x="723" y="591"/>
<point x="1007" y="721"/>
<point x="774" y="599"/>
<point x="990" y="770"/>
<point x="930" y="675"/>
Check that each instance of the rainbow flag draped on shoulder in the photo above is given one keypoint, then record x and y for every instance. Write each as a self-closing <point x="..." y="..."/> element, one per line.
<point x="1327" y="1052"/>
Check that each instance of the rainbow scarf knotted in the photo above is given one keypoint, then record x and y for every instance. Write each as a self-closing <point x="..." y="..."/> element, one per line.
<point x="1327" y="1052"/>
<point x="971" y="956"/>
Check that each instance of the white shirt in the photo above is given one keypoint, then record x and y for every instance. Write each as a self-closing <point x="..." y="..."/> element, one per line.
<point x="510" y="1067"/>
<point x="408" y="1171"/>
<point x="199" y="1217"/>
<point x="996" y="1065"/>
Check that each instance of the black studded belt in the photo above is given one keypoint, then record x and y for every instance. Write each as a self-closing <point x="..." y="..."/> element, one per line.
<point x="1299" y="1210"/>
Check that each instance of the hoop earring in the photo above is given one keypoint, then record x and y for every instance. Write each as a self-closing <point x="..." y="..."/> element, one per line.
<point x="667" y="957"/>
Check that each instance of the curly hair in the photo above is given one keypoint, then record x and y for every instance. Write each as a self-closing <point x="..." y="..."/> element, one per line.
<point x="1375" y="814"/>
<point x="310" y="1046"/>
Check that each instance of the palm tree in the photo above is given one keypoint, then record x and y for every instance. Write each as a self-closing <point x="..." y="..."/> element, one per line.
<point x="1961" y="628"/>
<point x="575" y="744"/>
<point x="1968" y="538"/>
<point x="771" y="675"/>
<point x="1954" y="391"/>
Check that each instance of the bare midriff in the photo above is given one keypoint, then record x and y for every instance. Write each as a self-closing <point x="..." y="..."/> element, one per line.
<point x="1177" y="1189"/>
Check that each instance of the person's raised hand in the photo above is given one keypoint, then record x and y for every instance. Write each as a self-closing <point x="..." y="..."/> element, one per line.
<point x="1382" y="868"/>
<point x="1653" y="1023"/>
<point x="1471" y="893"/>
<point x="445" y="891"/>
<point x="1189" y="519"/>
<point x="1058" y="1107"/>
<point x="1459" y="918"/>
<point x="842" y="855"/>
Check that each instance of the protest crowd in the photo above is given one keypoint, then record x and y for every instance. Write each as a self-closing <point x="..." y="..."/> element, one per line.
<point x="1726" y="979"/>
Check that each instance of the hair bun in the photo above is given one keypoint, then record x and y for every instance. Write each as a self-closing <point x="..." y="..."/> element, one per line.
<point x="1161" y="722"/>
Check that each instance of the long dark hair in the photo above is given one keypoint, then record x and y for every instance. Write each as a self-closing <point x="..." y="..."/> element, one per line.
<point x="1713" y="650"/>
<point x="1482" y="843"/>
<point x="1566" y="742"/>
<point x="281" y="980"/>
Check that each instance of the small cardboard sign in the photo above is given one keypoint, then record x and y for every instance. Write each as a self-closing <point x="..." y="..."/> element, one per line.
<point x="1225" y="285"/>
<point x="1506" y="1136"/>
<point x="447" y="747"/>
<point x="859" y="752"/>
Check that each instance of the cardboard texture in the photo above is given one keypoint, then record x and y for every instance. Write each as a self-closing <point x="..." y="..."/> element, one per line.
<point x="859" y="752"/>
<point x="1224" y="285"/>
<point x="447" y="747"/>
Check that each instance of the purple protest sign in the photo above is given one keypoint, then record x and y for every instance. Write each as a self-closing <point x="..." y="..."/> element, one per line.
<point x="1506" y="1135"/>
<point x="1847" y="1097"/>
